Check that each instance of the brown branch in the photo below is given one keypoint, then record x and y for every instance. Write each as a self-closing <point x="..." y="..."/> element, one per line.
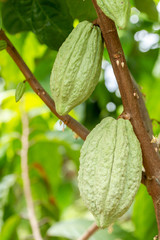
<point x="130" y="100"/>
<point x="90" y="231"/>
<point x="79" y="129"/>
<point x="25" y="178"/>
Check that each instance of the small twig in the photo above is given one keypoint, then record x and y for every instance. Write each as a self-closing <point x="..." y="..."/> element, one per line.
<point x="153" y="119"/>
<point x="25" y="178"/>
<point x="90" y="231"/>
<point x="78" y="128"/>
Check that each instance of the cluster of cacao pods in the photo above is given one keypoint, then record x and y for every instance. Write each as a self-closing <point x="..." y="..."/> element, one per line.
<point x="111" y="158"/>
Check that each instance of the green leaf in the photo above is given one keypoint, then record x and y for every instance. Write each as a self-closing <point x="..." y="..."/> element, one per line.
<point x="20" y="89"/>
<point x="11" y="18"/>
<point x="3" y="45"/>
<point x="144" y="216"/>
<point x="5" y="185"/>
<point x="73" y="229"/>
<point x="9" y="228"/>
<point x="50" y="20"/>
<point x="156" y="1"/>
<point x="82" y="10"/>
<point x="46" y="160"/>
<point x="148" y="7"/>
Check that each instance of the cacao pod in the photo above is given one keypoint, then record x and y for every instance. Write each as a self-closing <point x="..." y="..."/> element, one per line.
<point x="77" y="67"/>
<point x="117" y="10"/>
<point x="110" y="170"/>
<point x="20" y="89"/>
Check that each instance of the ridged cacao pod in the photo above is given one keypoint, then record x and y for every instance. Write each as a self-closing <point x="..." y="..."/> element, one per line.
<point x="117" y="10"/>
<point x="110" y="170"/>
<point x="77" y="67"/>
<point x="20" y="89"/>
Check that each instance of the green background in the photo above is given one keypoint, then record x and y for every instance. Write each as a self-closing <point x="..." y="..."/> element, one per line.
<point x="37" y="28"/>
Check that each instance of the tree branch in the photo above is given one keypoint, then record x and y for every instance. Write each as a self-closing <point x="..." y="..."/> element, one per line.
<point x="131" y="103"/>
<point x="78" y="128"/>
<point x="90" y="231"/>
<point x="25" y="178"/>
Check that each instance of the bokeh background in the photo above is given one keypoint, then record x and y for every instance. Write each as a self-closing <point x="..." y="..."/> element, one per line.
<point x="37" y="28"/>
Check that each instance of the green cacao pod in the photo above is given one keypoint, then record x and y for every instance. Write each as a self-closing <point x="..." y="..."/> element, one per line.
<point x="110" y="170"/>
<point x="117" y="10"/>
<point x="77" y="67"/>
<point x="20" y="89"/>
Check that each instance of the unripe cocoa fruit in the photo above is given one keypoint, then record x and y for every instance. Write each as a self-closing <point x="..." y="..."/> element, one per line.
<point x="117" y="10"/>
<point x="110" y="170"/>
<point x="77" y="67"/>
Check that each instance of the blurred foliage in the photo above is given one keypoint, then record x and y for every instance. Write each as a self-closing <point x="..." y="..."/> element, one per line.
<point x="144" y="216"/>
<point x="37" y="28"/>
<point x="75" y="228"/>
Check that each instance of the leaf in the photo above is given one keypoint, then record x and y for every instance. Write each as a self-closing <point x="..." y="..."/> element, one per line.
<point x="50" y="20"/>
<point x="156" y="1"/>
<point x="144" y="216"/>
<point x="73" y="229"/>
<point x="12" y="20"/>
<point x="3" y="45"/>
<point x="148" y="7"/>
<point x="36" y="51"/>
<point x="5" y="185"/>
<point x="20" y="89"/>
<point x="82" y="10"/>
<point x="9" y="228"/>
<point x="46" y="161"/>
